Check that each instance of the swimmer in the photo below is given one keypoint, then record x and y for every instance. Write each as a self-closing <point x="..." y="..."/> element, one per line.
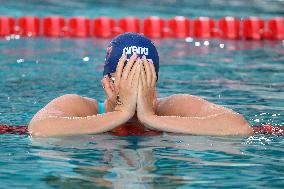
<point x="129" y="81"/>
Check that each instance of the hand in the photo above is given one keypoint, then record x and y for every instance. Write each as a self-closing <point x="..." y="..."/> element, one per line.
<point x="111" y="88"/>
<point x="126" y="84"/>
<point x="146" y="90"/>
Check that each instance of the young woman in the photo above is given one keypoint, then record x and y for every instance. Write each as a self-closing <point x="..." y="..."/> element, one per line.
<point x="130" y="76"/>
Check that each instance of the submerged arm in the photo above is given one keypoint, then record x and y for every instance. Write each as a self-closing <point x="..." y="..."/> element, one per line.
<point x="220" y="124"/>
<point x="71" y="115"/>
<point x="58" y="126"/>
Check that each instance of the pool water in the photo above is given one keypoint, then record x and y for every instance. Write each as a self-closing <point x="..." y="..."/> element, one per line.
<point x="247" y="76"/>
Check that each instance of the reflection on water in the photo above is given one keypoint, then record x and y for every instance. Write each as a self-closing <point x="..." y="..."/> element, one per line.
<point x="142" y="162"/>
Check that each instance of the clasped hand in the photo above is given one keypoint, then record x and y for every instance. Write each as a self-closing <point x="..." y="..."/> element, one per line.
<point x="133" y="88"/>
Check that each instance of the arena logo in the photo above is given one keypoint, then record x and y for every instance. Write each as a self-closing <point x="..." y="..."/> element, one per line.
<point x="134" y="49"/>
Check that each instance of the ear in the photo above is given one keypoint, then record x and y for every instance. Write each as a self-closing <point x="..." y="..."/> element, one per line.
<point x="107" y="87"/>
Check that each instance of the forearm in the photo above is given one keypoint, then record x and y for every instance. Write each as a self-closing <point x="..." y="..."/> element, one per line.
<point x="58" y="126"/>
<point x="222" y="124"/>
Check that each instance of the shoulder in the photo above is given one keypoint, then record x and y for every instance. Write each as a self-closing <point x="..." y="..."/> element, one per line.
<point x="74" y="98"/>
<point x="180" y="97"/>
<point x="187" y="105"/>
<point x="69" y="105"/>
<point x="75" y="104"/>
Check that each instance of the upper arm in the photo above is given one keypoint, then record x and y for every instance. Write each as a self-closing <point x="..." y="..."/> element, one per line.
<point x="69" y="105"/>
<point x="186" y="105"/>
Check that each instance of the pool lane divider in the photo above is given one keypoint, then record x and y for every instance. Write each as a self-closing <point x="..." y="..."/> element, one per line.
<point x="249" y="28"/>
<point x="262" y="129"/>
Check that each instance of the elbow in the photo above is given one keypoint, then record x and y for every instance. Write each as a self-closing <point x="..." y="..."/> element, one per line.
<point x="35" y="130"/>
<point x="238" y="126"/>
<point x="39" y="129"/>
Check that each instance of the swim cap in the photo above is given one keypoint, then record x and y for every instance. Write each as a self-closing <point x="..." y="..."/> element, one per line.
<point x="130" y="43"/>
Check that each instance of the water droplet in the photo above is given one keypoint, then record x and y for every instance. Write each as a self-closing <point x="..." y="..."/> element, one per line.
<point x="20" y="60"/>
<point x="206" y="43"/>
<point x="86" y="59"/>
<point x="189" y="39"/>
<point x="197" y="44"/>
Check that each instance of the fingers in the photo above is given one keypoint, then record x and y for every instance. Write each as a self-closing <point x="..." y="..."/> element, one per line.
<point x="119" y="69"/>
<point x="148" y="71"/>
<point x="128" y="66"/>
<point x="143" y="77"/>
<point x="140" y="85"/>
<point x="134" y="69"/>
<point x="154" y="75"/>
<point x="111" y="85"/>
<point x="136" y="75"/>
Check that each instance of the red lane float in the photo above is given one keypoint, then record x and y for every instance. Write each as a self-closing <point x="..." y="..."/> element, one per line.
<point x="79" y="27"/>
<point x="229" y="28"/>
<point x="276" y="28"/>
<point x="134" y="130"/>
<point x="269" y="130"/>
<point x="203" y="27"/>
<point x="7" y="25"/>
<point x="104" y="27"/>
<point x="154" y="27"/>
<point x="179" y="27"/>
<point x="6" y="129"/>
<point x="129" y="24"/>
<point x="253" y="28"/>
<point x="53" y="26"/>
<point x="29" y="26"/>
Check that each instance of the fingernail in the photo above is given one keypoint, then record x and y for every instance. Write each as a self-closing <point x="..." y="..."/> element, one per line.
<point x="143" y="57"/>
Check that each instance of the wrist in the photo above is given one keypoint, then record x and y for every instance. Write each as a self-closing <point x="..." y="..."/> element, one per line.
<point x="145" y="117"/>
<point x="109" y="105"/>
<point x="123" y="111"/>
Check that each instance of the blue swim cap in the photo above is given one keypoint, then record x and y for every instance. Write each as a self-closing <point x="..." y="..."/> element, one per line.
<point x="130" y="43"/>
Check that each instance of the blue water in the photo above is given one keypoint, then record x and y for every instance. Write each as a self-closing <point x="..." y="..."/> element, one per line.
<point x="247" y="76"/>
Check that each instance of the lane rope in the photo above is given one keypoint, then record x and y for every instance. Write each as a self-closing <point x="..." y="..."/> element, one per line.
<point x="249" y="28"/>
<point x="263" y="129"/>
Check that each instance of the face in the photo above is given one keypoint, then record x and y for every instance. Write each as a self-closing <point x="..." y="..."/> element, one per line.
<point x="110" y="80"/>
